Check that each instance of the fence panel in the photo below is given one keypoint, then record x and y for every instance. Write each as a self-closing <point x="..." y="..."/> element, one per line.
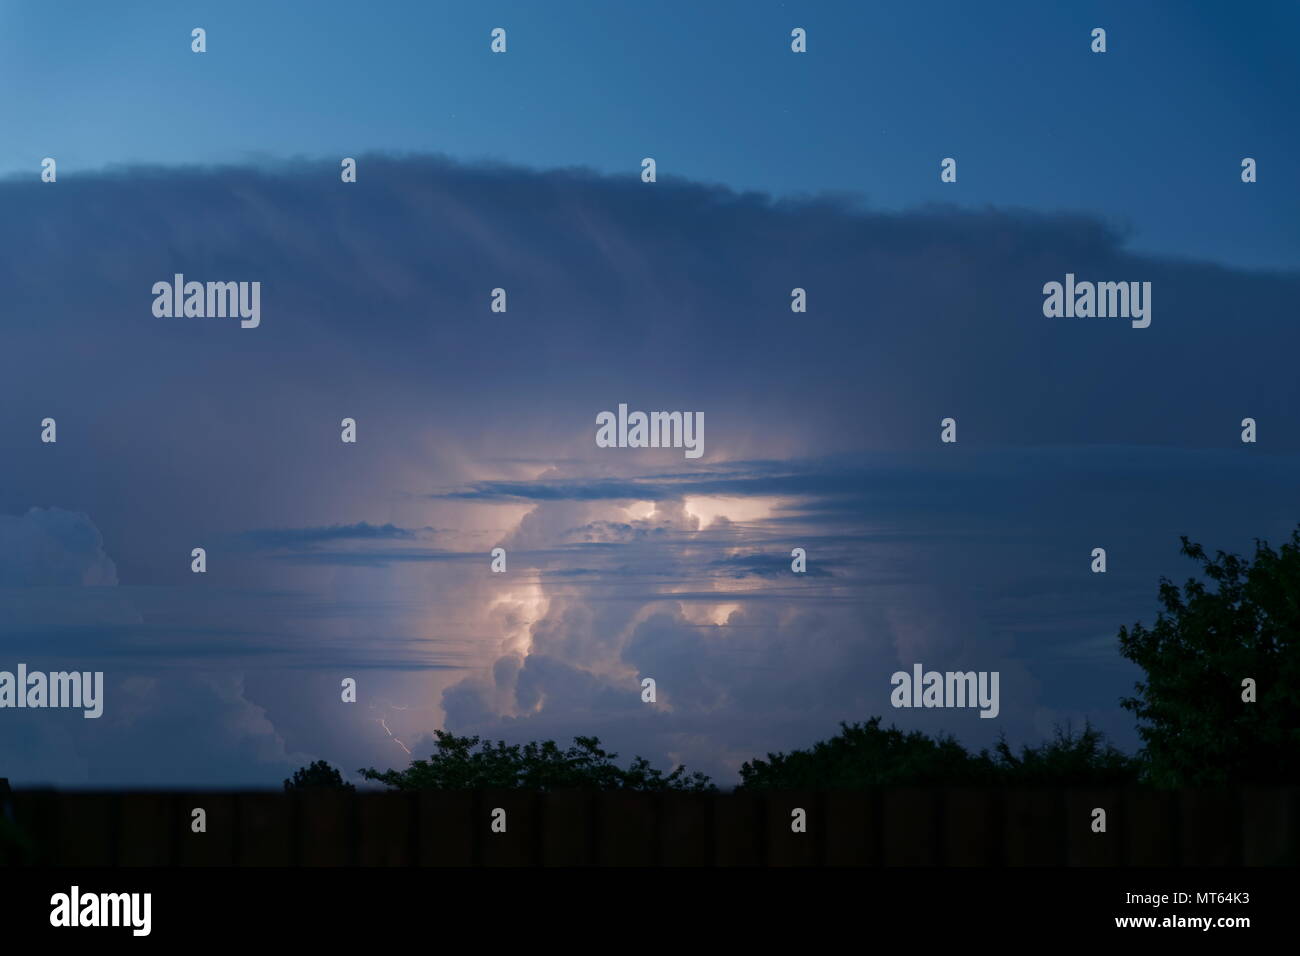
<point x="896" y="827"/>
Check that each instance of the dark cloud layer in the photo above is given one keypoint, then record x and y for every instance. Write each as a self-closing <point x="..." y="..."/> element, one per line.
<point x="822" y="432"/>
<point x="305" y="537"/>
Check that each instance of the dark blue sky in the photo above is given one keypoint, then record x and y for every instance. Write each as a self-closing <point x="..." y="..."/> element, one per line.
<point x="476" y="428"/>
<point x="1149" y="135"/>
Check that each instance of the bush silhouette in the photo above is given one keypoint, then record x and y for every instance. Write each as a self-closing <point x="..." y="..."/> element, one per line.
<point x="864" y="755"/>
<point x="535" y="766"/>
<point x="318" y="776"/>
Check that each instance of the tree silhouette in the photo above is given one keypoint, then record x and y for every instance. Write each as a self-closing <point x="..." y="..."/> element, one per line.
<point x="319" y="776"/>
<point x="535" y="766"/>
<point x="1067" y="760"/>
<point x="1195" y="725"/>
<point x="864" y="755"/>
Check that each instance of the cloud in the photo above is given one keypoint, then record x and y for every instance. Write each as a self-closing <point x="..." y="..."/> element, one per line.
<point x="763" y="565"/>
<point x="306" y="537"/>
<point x="52" y="547"/>
<point x="64" y="610"/>
<point x="823" y="433"/>
<point x="196" y="729"/>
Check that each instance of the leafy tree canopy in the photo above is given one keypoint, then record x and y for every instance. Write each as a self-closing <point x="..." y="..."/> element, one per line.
<point x="457" y="765"/>
<point x="1196" y="728"/>
<point x="864" y="755"/>
<point x="319" y="776"/>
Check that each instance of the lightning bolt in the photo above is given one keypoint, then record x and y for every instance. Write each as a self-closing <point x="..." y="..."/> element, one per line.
<point x="383" y="723"/>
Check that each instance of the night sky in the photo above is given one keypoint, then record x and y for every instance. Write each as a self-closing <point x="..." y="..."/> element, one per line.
<point x="476" y="429"/>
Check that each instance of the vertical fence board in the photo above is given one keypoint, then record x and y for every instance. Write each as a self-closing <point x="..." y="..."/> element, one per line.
<point x="911" y="827"/>
<point x="784" y="846"/>
<point x="387" y="829"/>
<point x="81" y="829"/>
<point x="216" y="847"/>
<point x="973" y="828"/>
<point x="852" y="828"/>
<point x="326" y="833"/>
<point x="36" y="815"/>
<point x="568" y="828"/>
<point x="1210" y="823"/>
<point x="737" y="824"/>
<point x="265" y="830"/>
<point x="1269" y="836"/>
<point x="686" y="830"/>
<point x="148" y="834"/>
<point x="1150" y="826"/>
<point x="447" y="821"/>
<point x="521" y="844"/>
<point x="627" y="829"/>
<point x="1035" y="828"/>
<point x="1083" y="846"/>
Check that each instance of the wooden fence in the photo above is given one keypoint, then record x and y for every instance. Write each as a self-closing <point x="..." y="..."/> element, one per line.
<point x="903" y="827"/>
